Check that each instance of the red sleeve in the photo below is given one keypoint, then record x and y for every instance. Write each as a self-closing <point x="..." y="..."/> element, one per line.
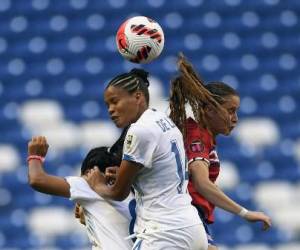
<point x="197" y="142"/>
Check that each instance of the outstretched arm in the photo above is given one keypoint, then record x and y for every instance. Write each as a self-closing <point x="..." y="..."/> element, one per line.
<point x="200" y="178"/>
<point x="37" y="177"/>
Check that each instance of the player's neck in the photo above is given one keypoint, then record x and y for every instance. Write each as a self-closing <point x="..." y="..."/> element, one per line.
<point x="212" y="133"/>
<point x="140" y="112"/>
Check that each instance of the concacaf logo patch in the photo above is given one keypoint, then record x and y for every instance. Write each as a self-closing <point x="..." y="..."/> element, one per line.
<point x="197" y="146"/>
<point x="129" y="141"/>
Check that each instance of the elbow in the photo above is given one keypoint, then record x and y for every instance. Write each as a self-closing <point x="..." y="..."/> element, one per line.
<point x="119" y="198"/>
<point x="113" y="192"/>
<point x="36" y="182"/>
<point x="120" y="195"/>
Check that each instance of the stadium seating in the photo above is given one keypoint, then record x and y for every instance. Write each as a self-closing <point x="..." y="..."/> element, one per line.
<point x="57" y="56"/>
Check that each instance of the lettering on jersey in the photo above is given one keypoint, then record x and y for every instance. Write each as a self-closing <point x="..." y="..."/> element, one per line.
<point x="165" y="124"/>
<point x="180" y="166"/>
<point x="170" y="122"/>
<point x="197" y="146"/>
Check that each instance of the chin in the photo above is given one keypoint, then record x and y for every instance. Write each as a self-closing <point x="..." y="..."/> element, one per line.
<point x="116" y="123"/>
<point x="230" y="130"/>
<point x="227" y="133"/>
<point x="120" y="125"/>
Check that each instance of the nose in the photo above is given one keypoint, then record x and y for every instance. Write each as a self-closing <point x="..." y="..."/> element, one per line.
<point x="234" y="118"/>
<point x="110" y="110"/>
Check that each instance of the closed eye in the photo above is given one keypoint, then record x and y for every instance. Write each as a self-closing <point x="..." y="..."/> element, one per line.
<point x="113" y="101"/>
<point x="232" y="110"/>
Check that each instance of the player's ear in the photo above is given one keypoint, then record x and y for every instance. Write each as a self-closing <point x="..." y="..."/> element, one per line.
<point x="139" y="96"/>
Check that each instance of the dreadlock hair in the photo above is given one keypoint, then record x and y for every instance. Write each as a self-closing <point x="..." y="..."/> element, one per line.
<point x="190" y="88"/>
<point x="135" y="80"/>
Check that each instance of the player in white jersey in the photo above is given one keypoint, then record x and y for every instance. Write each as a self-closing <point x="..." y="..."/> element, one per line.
<point x="107" y="222"/>
<point x="154" y="164"/>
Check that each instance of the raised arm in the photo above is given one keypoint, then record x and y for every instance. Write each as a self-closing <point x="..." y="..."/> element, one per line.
<point x="37" y="177"/>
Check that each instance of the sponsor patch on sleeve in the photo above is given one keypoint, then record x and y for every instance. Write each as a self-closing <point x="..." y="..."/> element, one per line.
<point x="197" y="146"/>
<point x="129" y="142"/>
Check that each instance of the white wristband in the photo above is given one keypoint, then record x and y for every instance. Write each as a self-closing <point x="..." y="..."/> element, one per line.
<point x="243" y="212"/>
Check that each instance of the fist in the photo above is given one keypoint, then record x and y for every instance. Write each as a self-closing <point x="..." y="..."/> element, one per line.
<point x="38" y="146"/>
<point x="78" y="211"/>
<point x="94" y="177"/>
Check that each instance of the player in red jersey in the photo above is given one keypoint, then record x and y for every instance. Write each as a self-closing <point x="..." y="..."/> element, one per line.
<point x="214" y="107"/>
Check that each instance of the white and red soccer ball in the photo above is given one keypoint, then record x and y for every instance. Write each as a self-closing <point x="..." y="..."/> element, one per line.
<point x="140" y="39"/>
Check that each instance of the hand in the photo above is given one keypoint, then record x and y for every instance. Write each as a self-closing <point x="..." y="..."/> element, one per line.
<point x="253" y="216"/>
<point x="78" y="212"/>
<point x="38" y="146"/>
<point x="111" y="174"/>
<point x="95" y="177"/>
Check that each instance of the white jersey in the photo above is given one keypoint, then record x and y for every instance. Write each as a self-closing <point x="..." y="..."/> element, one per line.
<point x="161" y="185"/>
<point x="107" y="221"/>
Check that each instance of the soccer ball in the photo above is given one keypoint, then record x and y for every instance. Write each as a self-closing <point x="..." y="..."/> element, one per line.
<point x="140" y="39"/>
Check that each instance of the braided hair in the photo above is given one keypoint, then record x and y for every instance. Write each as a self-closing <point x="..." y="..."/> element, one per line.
<point x="135" y="80"/>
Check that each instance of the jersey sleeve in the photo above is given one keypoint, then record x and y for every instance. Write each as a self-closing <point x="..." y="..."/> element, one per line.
<point x="197" y="143"/>
<point x="139" y="146"/>
<point x="80" y="190"/>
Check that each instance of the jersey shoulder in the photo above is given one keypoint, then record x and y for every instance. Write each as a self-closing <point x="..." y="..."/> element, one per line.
<point x="80" y="190"/>
<point x="146" y="124"/>
<point x="193" y="128"/>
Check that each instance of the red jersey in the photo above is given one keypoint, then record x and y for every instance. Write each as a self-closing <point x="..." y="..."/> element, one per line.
<point x="200" y="145"/>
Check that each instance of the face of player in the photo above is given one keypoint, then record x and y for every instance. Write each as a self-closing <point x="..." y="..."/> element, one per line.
<point x="220" y="126"/>
<point x="124" y="108"/>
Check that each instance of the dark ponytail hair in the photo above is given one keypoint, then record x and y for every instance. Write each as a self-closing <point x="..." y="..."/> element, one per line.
<point x="135" y="80"/>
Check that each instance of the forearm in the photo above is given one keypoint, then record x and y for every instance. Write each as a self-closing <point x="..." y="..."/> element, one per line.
<point x="121" y="188"/>
<point x="110" y="192"/>
<point x="212" y="193"/>
<point x="199" y="171"/>
<point x="36" y="173"/>
<point x="217" y="197"/>
<point x="44" y="183"/>
<point x="125" y="178"/>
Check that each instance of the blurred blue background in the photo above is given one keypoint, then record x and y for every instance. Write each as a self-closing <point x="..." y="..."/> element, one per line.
<point x="55" y="58"/>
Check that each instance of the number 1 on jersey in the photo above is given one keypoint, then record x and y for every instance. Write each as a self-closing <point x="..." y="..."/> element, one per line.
<point x="180" y="169"/>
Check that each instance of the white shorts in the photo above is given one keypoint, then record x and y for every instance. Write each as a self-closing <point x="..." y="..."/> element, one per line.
<point x="189" y="238"/>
